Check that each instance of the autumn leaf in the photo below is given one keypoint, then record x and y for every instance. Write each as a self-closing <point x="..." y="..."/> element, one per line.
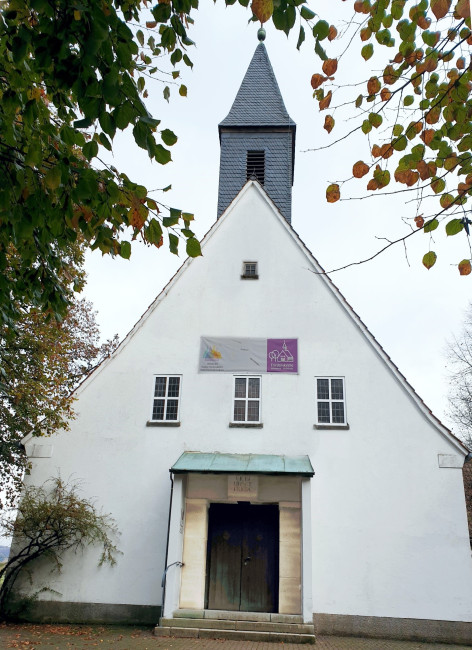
<point x="150" y="24"/>
<point x="427" y="135"/>
<point x="464" y="267"/>
<point x="329" y="123"/>
<point x="446" y="201"/>
<point x="360" y="169"/>
<point x="462" y="9"/>
<point x="429" y="259"/>
<point x="419" y="221"/>
<point x="330" y="66"/>
<point x="373" y="85"/>
<point x="332" y="193"/>
<point x="326" y="101"/>
<point x="317" y="80"/>
<point x="440" y="7"/>
<point x="262" y="9"/>
<point x="333" y="32"/>
<point x="385" y="94"/>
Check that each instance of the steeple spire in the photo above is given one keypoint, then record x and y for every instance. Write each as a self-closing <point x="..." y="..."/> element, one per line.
<point x="257" y="138"/>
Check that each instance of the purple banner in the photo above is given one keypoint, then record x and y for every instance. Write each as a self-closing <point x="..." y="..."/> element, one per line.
<point x="282" y="355"/>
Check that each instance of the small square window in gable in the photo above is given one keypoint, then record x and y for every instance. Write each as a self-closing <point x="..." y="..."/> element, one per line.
<point x="250" y="271"/>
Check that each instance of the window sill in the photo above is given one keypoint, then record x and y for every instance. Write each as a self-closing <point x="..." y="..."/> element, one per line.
<point x="331" y="426"/>
<point x="245" y="425"/>
<point x="164" y="423"/>
<point x="249" y="277"/>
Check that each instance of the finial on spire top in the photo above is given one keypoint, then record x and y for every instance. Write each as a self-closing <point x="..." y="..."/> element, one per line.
<point x="261" y="34"/>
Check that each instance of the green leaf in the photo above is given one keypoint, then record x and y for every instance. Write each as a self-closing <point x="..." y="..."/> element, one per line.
<point x="321" y="30"/>
<point x="429" y="259"/>
<point x="83" y="124"/>
<point x="187" y="61"/>
<point x="366" y="127"/>
<point x="52" y="179"/>
<point x="153" y="232"/>
<point x="140" y="37"/>
<point x="125" y="250"/>
<point x="408" y="100"/>
<point x="453" y="227"/>
<point x="161" y="154"/>
<point x="431" y="225"/>
<point x="168" y="222"/>
<point x="193" y="247"/>
<point x="320" y="51"/>
<point x="367" y="51"/>
<point x="166" y="93"/>
<point x="359" y="101"/>
<point x="173" y="244"/>
<point x="183" y="91"/>
<point x="397" y="130"/>
<point x="307" y="14"/>
<point x="105" y="141"/>
<point x="375" y="119"/>
<point x="168" y="137"/>
<point x="301" y="37"/>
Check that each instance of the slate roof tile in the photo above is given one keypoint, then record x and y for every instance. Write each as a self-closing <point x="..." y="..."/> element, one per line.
<point x="258" y="102"/>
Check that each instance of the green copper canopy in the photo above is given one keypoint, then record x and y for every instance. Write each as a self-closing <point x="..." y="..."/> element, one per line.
<point x="195" y="461"/>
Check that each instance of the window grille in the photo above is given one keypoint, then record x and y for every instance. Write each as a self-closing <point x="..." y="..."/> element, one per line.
<point x="247" y="399"/>
<point x="330" y="400"/>
<point x="255" y="166"/>
<point x="166" y="398"/>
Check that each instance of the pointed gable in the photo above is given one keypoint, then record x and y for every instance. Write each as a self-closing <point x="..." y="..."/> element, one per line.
<point x="258" y="102"/>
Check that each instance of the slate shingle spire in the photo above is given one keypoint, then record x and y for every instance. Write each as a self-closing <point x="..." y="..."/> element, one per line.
<point x="257" y="138"/>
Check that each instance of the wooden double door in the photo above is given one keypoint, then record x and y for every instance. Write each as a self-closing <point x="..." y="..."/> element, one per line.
<point x="243" y="557"/>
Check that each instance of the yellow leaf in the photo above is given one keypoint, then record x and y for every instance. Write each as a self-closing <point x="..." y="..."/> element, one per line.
<point x="76" y="14"/>
<point x="262" y="9"/>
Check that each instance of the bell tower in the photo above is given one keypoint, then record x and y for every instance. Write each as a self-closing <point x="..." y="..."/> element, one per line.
<point x="257" y="138"/>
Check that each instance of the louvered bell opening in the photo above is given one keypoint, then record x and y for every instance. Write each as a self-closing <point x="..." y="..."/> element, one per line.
<point x="255" y="166"/>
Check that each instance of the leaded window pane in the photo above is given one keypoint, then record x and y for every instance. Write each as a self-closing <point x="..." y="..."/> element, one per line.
<point x="174" y="385"/>
<point x="337" y="409"/>
<point x="239" y="410"/>
<point x="337" y="391"/>
<point x="240" y="387"/>
<point x="253" y="411"/>
<point x="158" y="409"/>
<point x="160" y="387"/>
<point x="254" y="387"/>
<point x="323" y="412"/>
<point x="323" y="388"/>
<point x="172" y="409"/>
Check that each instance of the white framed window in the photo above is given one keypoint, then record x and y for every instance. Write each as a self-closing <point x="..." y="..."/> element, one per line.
<point x="250" y="271"/>
<point x="166" y="399"/>
<point x="330" y="401"/>
<point x="247" y="399"/>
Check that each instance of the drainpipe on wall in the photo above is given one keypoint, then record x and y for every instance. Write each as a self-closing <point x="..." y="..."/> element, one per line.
<point x="468" y="457"/>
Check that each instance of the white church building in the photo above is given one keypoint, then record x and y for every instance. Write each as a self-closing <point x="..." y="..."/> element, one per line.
<point x="271" y="471"/>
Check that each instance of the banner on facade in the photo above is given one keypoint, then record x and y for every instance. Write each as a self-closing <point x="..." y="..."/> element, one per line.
<point x="245" y="355"/>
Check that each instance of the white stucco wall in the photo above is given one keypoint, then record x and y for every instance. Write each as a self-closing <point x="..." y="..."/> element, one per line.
<point x="389" y="530"/>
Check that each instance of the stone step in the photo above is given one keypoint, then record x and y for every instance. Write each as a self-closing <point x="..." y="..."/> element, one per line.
<point x="220" y="614"/>
<point x="234" y="635"/>
<point x="226" y="624"/>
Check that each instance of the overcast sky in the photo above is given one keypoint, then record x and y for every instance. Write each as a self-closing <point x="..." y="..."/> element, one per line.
<point x="411" y="311"/>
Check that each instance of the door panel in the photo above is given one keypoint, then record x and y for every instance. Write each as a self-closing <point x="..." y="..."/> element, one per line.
<point x="243" y="557"/>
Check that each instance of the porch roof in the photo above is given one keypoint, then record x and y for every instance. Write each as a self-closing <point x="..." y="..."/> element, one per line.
<point x="196" y="461"/>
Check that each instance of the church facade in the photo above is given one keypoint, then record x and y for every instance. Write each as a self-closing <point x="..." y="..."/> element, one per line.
<point x="260" y="452"/>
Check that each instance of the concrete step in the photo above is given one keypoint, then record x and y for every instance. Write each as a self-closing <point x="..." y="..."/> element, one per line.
<point x="234" y="635"/>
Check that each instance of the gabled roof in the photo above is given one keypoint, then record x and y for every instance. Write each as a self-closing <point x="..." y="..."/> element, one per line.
<point x="317" y="269"/>
<point x="258" y="102"/>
